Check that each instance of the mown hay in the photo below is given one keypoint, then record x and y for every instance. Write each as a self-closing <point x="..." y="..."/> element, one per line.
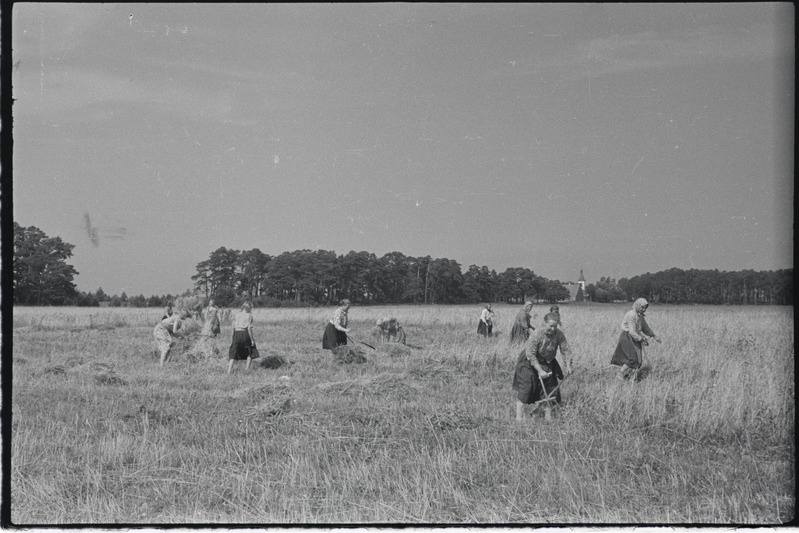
<point x="266" y="401"/>
<point x="273" y="361"/>
<point x="192" y="345"/>
<point x="200" y="348"/>
<point x="192" y="304"/>
<point x="109" y="378"/>
<point x="348" y="354"/>
<point x="454" y="421"/>
<point x="381" y="384"/>
<point x="393" y="349"/>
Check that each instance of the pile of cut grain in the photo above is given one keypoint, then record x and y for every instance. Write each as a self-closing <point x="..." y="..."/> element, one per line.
<point x="348" y="354"/>
<point x="266" y="401"/>
<point x="273" y="361"/>
<point x="191" y="343"/>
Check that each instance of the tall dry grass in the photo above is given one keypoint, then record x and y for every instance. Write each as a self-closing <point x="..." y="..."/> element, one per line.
<point x="101" y="435"/>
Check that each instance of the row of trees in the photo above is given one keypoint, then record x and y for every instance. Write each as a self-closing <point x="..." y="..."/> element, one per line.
<point x="321" y="277"/>
<point x="41" y="276"/>
<point x="99" y="297"/>
<point x="712" y="287"/>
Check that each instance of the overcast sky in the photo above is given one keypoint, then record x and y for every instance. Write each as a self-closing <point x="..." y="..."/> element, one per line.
<point x="618" y="139"/>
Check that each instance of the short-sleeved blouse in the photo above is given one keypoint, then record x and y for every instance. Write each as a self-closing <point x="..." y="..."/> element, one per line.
<point x="242" y="320"/>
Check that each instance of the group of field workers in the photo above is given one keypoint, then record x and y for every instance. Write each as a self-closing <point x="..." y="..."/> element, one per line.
<point x="537" y="375"/>
<point x="242" y="347"/>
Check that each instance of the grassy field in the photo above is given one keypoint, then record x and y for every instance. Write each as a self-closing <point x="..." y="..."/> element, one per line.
<point x="418" y="436"/>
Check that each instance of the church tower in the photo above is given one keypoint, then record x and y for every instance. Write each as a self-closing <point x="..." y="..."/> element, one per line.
<point x="581" y="281"/>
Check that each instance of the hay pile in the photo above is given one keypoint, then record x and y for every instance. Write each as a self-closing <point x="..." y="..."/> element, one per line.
<point x="273" y="361"/>
<point x="192" y="304"/>
<point x="109" y="378"/>
<point x="191" y="343"/>
<point x="348" y="354"/>
<point x="266" y="401"/>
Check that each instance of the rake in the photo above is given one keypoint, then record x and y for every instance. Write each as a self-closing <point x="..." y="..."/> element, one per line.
<point x="356" y="340"/>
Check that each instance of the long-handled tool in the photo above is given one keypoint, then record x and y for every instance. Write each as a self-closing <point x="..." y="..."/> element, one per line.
<point x="356" y="340"/>
<point x="549" y="398"/>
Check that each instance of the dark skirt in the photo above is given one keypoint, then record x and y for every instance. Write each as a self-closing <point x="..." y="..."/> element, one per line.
<point x="333" y="338"/>
<point x="483" y="330"/>
<point x="528" y="386"/>
<point x="519" y="333"/>
<point x="628" y="352"/>
<point x="240" y="347"/>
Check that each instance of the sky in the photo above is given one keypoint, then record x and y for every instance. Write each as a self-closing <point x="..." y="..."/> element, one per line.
<point x="617" y="139"/>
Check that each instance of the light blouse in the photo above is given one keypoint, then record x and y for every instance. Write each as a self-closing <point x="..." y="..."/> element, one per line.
<point x="634" y="323"/>
<point x="242" y="320"/>
<point x="340" y="318"/>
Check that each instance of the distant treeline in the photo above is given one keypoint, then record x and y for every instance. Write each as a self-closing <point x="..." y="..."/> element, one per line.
<point x="712" y="287"/>
<point x="320" y="277"/>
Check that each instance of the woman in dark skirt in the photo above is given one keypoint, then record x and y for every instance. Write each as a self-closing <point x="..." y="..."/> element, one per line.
<point x="630" y="348"/>
<point x="537" y="364"/>
<point x="336" y="330"/>
<point x="521" y="329"/>
<point x="486" y="323"/>
<point x="211" y="325"/>
<point x="243" y="340"/>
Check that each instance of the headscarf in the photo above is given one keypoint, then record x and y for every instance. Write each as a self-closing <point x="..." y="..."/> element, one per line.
<point x="528" y="304"/>
<point x="639" y="305"/>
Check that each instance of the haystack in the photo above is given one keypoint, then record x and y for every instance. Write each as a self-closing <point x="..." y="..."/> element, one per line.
<point x="348" y="354"/>
<point x="266" y="401"/>
<point x="191" y="343"/>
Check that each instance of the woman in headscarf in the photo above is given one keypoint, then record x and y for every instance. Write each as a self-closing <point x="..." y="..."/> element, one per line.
<point x="165" y="332"/>
<point x="630" y="348"/>
<point x="537" y="370"/>
<point x="243" y="339"/>
<point x="336" y="330"/>
<point x="521" y="325"/>
<point x="486" y="323"/>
